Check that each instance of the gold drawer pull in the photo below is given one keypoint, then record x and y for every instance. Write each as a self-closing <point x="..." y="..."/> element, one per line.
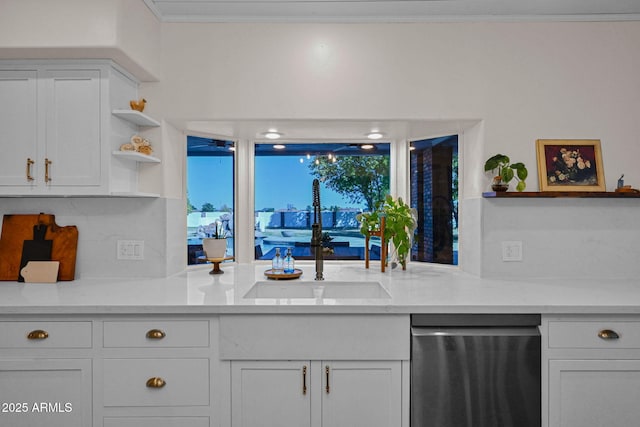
<point x="608" y="334"/>
<point x="326" y="372"/>
<point x="29" y="164"/>
<point x="38" y="334"/>
<point x="156" y="334"/>
<point x="304" y="379"/>
<point x="47" y="177"/>
<point x="156" y="382"/>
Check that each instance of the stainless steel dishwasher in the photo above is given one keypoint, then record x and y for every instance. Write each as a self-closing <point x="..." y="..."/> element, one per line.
<point x="475" y="370"/>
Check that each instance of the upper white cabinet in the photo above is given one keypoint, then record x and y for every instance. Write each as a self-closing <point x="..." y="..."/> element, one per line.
<point x="58" y="130"/>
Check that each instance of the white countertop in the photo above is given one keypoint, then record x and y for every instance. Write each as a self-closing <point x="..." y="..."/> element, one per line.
<point x="422" y="288"/>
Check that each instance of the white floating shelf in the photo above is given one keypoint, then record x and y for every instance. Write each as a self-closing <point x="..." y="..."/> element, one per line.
<point x="135" y="156"/>
<point x="136" y="117"/>
<point x="136" y="194"/>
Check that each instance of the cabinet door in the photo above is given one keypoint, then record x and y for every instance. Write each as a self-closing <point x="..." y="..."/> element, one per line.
<point x="73" y="127"/>
<point x="45" y="393"/>
<point x="361" y="394"/>
<point x="19" y="125"/>
<point x="594" y="393"/>
<point x="271" y="394"/>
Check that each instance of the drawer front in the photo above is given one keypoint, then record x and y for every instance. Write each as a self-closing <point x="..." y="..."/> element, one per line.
<point x="45" y="334"/>
<point x="186" y="382"/>
<point x="173" y="333"/>
<point x="156" y="422"/>
<point x="594" y="334"/>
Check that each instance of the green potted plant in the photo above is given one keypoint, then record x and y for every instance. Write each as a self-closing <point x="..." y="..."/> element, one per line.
<point x="400" y="224"/>
<point x="504" y="171"/>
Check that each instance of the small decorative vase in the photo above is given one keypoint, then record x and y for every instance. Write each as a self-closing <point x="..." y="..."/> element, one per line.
<point x="214" y="248"/>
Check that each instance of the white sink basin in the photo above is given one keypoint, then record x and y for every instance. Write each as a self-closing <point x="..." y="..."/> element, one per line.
<point x="324" y="289"/>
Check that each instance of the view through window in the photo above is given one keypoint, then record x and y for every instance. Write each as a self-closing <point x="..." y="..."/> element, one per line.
<point x="210" y="194"/>
<point x="353" y="177"/>
<point x="434" y="194"/>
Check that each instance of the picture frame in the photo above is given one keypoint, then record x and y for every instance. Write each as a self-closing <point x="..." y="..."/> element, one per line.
<point x="570" y="165"/>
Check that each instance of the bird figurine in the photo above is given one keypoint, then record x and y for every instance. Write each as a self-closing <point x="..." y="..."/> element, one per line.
<point x="138" y="105"/>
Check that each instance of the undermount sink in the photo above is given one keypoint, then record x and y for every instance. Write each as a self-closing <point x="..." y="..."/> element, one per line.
<point x="324" y="289"/>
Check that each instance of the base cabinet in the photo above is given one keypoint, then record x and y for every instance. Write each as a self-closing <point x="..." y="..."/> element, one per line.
<point x="591" y="366"/>
<point x="45" y="393"/>
<point x="316" y="393"/>
<point x="594" y="393"/>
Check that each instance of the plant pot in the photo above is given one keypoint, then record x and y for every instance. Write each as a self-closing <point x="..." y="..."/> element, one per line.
<point x="214" y="248"/>
<point x="500" y="188"/>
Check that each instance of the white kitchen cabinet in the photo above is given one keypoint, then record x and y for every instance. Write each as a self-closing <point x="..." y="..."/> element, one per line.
<point x="45" y="373"/>
<point x="19" y="124"/>
<point x="591" y="368"/>
<point x="316" y="393"/>
<point x="271" y="394"/>
<point x="156" y="367"/>
<point x="58" y="132"/>
<point x="45" y="393"/>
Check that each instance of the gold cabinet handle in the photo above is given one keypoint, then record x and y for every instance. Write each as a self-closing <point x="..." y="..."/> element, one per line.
<point x="38" y="334"/>
<point x="29" y="164"/>
<point x="156" y="382"/>
<point x="47" y="163"/>
<point x="304" y="379"/>
<point x="326" y="373"/>
<point x="608" y="334"/>
<point x="155" y="334"/>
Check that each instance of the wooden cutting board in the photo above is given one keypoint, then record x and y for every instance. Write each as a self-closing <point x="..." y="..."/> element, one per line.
<point x="18" y="228"/>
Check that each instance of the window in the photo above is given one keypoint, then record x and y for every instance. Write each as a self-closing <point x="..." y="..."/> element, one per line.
<point x="210" y="193"/>
<point x="352" y="179"/>
<point x="434" y="194"/>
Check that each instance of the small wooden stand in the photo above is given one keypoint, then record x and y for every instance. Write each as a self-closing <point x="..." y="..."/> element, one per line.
<point x="383" y="245"/>
<point x="216" y="264"/>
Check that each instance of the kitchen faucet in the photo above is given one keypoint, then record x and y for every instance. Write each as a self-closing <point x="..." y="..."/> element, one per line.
<point x="316" y="230"/>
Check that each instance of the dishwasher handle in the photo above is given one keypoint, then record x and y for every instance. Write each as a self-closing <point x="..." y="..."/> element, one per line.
<point x="529" y="331"/>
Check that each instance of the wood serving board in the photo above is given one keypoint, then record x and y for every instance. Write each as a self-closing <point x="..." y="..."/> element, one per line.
<point x="18" y="228"/>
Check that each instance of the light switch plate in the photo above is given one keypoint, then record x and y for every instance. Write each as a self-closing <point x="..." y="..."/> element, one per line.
<point x="512" y="250"/>
<point x="130" y="249"/>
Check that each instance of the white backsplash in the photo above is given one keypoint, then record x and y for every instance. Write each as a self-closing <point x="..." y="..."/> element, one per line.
<point x="102" y="222"/>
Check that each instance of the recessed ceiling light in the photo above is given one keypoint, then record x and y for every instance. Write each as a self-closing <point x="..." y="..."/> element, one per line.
<point x="366" y="146"/>
<point x="279" y="146"/>
<point x="375" y="135"/>
<point x="272" y="134"/>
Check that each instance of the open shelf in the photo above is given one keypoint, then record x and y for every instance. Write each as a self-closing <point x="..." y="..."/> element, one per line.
<point x="135" y="156"/>
<point x="551" y="194"/>
<point x="136" y="117"/>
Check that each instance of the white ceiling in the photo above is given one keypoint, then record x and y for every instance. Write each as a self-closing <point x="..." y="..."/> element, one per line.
<point x="392" y="10"/>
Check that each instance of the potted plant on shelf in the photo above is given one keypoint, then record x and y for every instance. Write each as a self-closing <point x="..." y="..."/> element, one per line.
<point x="400" y="221"/>
<point x="504" y="171"/>
<point x="215" y="246"/>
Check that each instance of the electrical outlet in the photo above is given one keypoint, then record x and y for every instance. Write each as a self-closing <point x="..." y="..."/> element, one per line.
<point x="512" y="251"/>
<point x="130" y="249"/>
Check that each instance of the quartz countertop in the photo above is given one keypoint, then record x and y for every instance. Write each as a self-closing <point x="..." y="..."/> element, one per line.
<point x="422" y="288"/>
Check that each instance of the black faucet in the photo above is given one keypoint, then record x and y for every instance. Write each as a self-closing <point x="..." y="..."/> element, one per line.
<point x="316" y="230"/>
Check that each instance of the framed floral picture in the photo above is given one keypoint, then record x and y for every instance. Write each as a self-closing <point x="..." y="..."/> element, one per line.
<point x="570" y="165"/>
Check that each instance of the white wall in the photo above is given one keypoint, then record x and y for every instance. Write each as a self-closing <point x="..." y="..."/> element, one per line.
<point x="522" y="81"/>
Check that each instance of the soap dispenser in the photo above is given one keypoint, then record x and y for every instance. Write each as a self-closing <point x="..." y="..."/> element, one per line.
<point x="289" y="263"/>
<point x="276" y="263"/>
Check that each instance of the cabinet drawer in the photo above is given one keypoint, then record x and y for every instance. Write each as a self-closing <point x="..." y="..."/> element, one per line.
<point x="173" y="333"/>
<point x="186" y="382"/>
<point x="594" y="334"/>
<point x="156" y="422"/>
<point x="45" y="334"/>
